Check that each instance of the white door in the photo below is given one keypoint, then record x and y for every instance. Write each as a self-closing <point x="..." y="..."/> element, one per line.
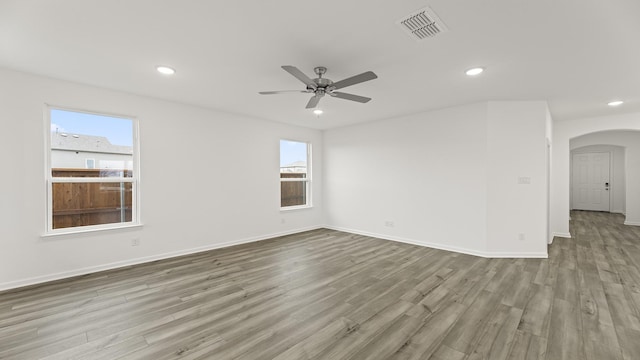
<point x="590" y="184"/>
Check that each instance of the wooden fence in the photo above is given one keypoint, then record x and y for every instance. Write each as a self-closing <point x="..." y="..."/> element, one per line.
<point x="82" y="204"/>
<point x="293" y="193"/>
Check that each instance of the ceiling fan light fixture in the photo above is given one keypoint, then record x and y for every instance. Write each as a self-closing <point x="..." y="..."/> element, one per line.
<point x="474" y="71"/>
<point x="615" y="103"/>
<point x="165" y="70"/>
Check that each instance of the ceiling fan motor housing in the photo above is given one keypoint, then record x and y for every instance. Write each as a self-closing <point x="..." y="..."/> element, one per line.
<point x="322" y="82"/>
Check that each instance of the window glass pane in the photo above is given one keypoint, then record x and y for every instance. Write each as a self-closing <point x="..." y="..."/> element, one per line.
<point x="83" y="204"/>
<point x="81" y="140"/>
<point x="293" y="193"/>
<point x="294" y="173"/>
<point x="293" y="158"/>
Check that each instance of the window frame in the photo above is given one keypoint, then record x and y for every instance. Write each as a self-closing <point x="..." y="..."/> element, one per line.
<point x="50" y="179"/>
<point x="307" y="179"/>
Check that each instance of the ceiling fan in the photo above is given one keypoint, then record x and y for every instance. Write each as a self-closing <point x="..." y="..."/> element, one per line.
<point x="321" y="86"/>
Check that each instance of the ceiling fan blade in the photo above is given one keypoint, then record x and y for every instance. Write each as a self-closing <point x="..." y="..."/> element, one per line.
<point x="341" y="95"/>
<point x="313" y="102"/>
<point x="300" y="76"/>
<point x="281" y="92"/>
<point x="365" y="76"/>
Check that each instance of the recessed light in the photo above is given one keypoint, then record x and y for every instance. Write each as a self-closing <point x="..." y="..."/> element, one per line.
<point x="474" y="71"/>
<point x="317" y="112"/>
<point x="615" y="103"/>
<point x="165" y="70"/>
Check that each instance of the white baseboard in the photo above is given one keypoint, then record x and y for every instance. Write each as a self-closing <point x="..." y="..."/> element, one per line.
<point x="558" y="234"/>
<point x="483" y="254"/>
<point x="142" y="260"/>
<point x="632" y="223"/>
<point x="562" y="235"/>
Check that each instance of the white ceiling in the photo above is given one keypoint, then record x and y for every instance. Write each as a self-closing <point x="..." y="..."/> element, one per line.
<point x="575" y="54"/>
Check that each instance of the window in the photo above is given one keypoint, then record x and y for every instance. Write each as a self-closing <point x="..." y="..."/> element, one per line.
<point x="92" y="171"/>
<point x="295" y="174"/>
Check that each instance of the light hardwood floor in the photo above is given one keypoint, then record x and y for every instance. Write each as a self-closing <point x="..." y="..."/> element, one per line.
<point x="330" y="295"/>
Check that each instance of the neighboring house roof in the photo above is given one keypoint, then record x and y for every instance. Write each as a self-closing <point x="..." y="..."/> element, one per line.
<point x="294" y="167"/>
<point x="296" y="164"/>
<point x="87" y="143"/>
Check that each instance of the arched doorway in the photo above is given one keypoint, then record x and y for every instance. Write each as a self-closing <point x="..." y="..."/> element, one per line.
<point x="563" y="132"/>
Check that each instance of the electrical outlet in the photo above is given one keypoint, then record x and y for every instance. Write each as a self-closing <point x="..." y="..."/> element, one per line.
<point x="135" y="242"/>
<point x="282" y="221"/>
<point x="389" y="223"/>
<point x="521" y="237"/>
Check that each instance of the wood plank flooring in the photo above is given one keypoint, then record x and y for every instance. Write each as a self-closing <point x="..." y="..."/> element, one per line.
<point x="330" y="295"/>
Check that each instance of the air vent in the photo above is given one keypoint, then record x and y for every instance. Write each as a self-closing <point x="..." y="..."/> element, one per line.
<point x="422" y="24"/>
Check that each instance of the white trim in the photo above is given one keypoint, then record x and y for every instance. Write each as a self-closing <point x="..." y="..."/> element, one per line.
<point x="562" y="235"/>
<point x="93" y="269"/>
<point x="559" y="235"/>
<point x="93" y="180"/>
<point x="483" y="254"/>
<point x="91" y="229"/>
<point x="91" y="112"/>
<point x="48" y="220"/>
<point x="294" y="179"/>
<point x="632" y="223"/>
<point x="296" y="207"/>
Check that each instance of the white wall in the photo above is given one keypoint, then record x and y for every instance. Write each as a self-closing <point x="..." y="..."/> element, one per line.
<point x="446" y="179"/>
<point x="581" y="145"/>
<point x="426" y="173"/>
<point x="563" y="132"/>
<point x="190" y="200"/>
<point x="517" y="210"/>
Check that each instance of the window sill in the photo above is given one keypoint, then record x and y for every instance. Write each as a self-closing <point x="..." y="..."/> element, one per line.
<point x="93" y="230"/>
<point x="293" y="208"/>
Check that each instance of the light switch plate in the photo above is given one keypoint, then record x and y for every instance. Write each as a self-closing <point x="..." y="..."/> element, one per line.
<point x="524" y="180"/>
